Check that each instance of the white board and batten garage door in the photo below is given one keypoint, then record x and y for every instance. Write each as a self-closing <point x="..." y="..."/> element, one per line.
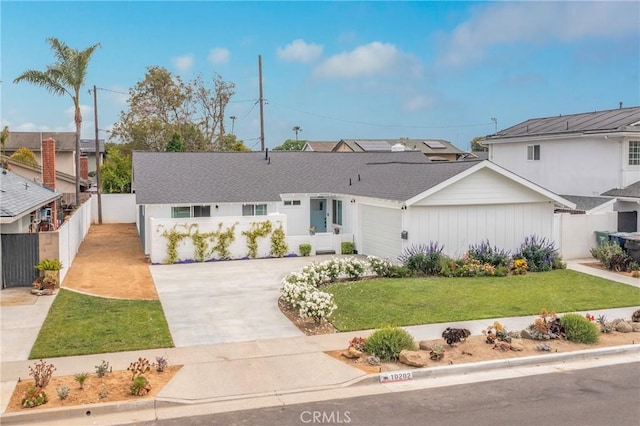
<point x="381" y="228"/>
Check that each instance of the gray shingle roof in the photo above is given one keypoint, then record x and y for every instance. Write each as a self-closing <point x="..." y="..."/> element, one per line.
<point x="584" y="203"/>
<point x="632" y="191"/>
<point x="19" y="195"/>
<point x="598" y="121"/>
<point x="88" y="146"/>
<point x="65" y="141"/>
<point x="321" y="146"/>
<point x="207" y="177"/>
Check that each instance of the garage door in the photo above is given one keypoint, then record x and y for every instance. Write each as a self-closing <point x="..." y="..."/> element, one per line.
<point x="381" y="229"/>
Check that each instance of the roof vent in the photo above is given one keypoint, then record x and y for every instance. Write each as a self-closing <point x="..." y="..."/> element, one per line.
<point x="397" y="148"/>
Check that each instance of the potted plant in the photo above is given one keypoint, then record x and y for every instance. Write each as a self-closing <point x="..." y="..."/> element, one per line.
<point x="50" y="269"/>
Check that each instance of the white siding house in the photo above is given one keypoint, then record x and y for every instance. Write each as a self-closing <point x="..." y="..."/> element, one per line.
<point x="383" y="202"/>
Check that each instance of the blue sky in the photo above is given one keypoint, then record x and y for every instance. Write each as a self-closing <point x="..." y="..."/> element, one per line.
<point x="339" y="70"/>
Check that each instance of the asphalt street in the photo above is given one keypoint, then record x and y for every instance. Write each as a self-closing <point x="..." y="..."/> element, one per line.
<point x="597" y="396"/>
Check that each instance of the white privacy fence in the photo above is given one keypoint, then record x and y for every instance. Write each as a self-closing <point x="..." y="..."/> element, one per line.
<point x="575" y="234"/>
<point x="71" y="234"/>
<point x="116" y="208"/>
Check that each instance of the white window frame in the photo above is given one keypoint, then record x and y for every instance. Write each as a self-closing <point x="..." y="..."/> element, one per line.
<point x="533" y="152"/>
<point x="336" y="211"/>
<point x="634" y="153"/>
<point x="294" y="203"/>
<point x="206" y="208"/>
<point x="176" y="209"/>
<point x="255" y="209"/>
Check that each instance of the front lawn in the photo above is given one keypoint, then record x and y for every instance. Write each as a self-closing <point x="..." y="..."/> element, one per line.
<point x="375" y="303"/>
<point x="79" y="325"/>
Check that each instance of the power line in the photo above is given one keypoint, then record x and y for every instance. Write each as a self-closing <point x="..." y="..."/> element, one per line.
<point x="385" y="125"/>
<point x="109" y="90"/>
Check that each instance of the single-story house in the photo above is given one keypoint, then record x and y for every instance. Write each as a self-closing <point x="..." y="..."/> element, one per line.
<point x="383" y="202"/>
<point x="24" y="203"/>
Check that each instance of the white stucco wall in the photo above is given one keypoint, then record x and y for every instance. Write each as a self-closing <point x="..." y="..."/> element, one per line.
<point x="575" y="234"/>
<point x="574" y="166"/>
<point x="116" y="208"/>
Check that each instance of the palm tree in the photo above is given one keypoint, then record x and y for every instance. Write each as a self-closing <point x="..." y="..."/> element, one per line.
<point x="297" y="129"/>
<point x="65" y="76"/>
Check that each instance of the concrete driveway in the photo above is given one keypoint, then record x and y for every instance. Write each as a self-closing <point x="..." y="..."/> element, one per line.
<point x="219" y="302"/>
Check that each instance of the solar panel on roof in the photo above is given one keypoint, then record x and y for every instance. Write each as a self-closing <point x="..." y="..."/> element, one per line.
<point x="435" y="144"/>
<point x="374" y="145"/>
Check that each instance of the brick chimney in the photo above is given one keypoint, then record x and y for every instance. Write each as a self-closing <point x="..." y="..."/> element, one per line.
<point x="84" y="167"/>
<point x="49" y="163"/>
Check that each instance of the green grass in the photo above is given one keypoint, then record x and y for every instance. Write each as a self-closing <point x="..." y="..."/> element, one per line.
<point x="376" y="303"/>
<point x="79" y="325"/>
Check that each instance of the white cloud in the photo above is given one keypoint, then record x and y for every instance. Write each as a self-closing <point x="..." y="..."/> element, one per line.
<point x="300" y="51"/>
<point x="219" y="55"/>
<point x="536" y="23"/>
<point x="183" y="63"/>
<point x="370" y="59"/>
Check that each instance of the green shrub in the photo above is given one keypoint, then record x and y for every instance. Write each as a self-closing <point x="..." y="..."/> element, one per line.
<point x="448" y="267"/>
<point x="485" y="253"/>
<point x="613" y="257"/>
<point x="305" y="249"/>
<point x="139" y="386"/>
<point x="49" y="265"/>
<point x="538" y="252"/>
<point x="397" y="271"/>
<point x="387" y="343"/>
<point x="422" y="259"/>
<point x="579" y="329"/>
<point x="347" y="247"/>
<point x="34" y="397"/>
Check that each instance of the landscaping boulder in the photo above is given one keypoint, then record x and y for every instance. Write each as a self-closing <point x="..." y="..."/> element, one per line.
<point x="525" y="334"/>
<point x="414" y="358"/>
<point x="352" y="353"/>
<point x="372" y="360"/>
<point x="622" y="326"/>
<point x="635" y="326"/>
<point x="516" y="345"/>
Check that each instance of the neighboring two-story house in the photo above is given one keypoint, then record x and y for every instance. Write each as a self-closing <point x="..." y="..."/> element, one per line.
<point x="590" y="155"/>
<point x="434" y="149"/>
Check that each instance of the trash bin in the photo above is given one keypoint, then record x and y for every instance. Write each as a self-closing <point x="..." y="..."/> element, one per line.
<point x="602" y="237"/>
<point x="632" y="247"/>
<point x="618" y="238"/>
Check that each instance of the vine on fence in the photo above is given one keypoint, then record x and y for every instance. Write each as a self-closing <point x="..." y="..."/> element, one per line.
<point x="174" y="237"/>
<point x="278" y="242"/>
<point x="224" y="241"/>
<point x="258" y="229"/>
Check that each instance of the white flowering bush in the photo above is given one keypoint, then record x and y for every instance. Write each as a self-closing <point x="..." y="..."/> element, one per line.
<point x="300" y="289"/>
<point x="317" y="305"/>
<point x="381" y="267"/>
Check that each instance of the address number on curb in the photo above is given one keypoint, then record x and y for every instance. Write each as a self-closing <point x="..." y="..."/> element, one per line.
<point x="396" y="376"/>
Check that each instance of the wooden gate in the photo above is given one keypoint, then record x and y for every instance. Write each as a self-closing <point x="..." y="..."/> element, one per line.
<point x="20" y="253"/>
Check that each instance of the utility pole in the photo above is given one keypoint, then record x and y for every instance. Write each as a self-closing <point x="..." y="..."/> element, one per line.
<point x="98" y="183"/>
<point x="261" y="104"/>
<point x="495" y="124"/>
<point x="233" y="122"/>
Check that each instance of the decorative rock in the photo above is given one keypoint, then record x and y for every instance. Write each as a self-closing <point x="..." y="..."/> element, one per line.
<point x="516" y="345"/>
<point x="502" y="346"/>
<point x="351" y="353"/>
<point x="543" y="347"/>
<point x="414" y="358"/>
<point x="427" y="345"/>
<point x="525" y="334"/>
<point x="624" y="327"/>
<point x="373" y="360"/>
<point x="635" y="326"/>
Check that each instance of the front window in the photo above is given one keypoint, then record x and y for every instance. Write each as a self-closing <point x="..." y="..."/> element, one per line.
<point x="201" y="211"/>
<point x="533" y="152"/>
<point x="634" y="153"/>
<point x="180" y="212"/>
<point x="254" y="210"/>
<point x="337" y="212"/>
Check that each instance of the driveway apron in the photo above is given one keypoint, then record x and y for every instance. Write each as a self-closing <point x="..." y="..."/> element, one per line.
<point x="221" y="302"/>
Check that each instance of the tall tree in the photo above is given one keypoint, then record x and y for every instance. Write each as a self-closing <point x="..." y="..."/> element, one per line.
<point x="297" y="129"/>
<point x="230" y="143"/>
<point x="163" y="104"/>
<point x="4" y="137"/>
<point x="65" y="76"/>
<point x="291" y="145"/>
<point x="116" y="171"/>
<point x="176" y="144"/>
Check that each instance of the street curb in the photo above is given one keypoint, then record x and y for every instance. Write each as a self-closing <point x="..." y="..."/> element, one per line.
<point x="148" y="407"/>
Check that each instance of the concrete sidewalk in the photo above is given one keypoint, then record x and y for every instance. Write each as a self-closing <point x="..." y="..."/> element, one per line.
<point x="241" y="375"/>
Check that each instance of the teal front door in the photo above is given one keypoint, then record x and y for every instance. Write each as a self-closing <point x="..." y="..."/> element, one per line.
<point x="318" y="219"/>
